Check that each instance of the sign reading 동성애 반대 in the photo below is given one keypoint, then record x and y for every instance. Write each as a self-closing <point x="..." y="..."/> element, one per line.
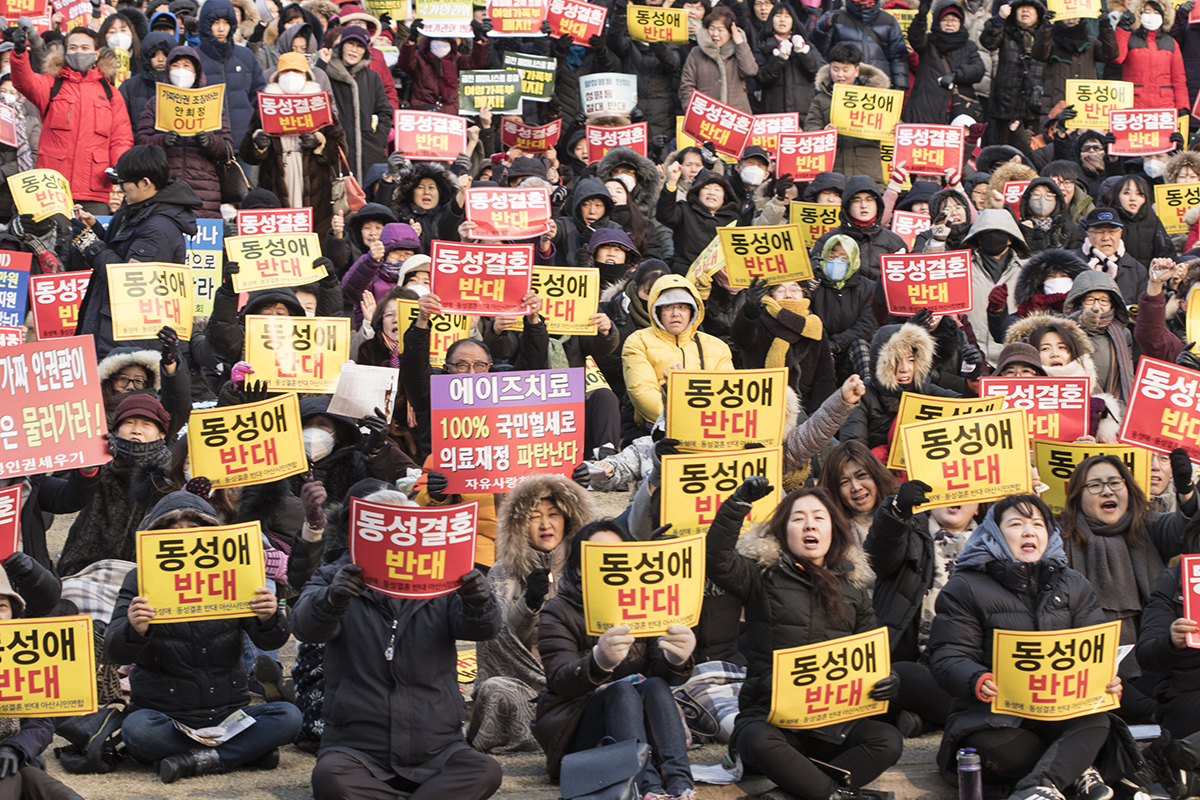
<point x="814" y="219"/>
<point x="922" y="408"/>
<point x="247" y="444"/>
<point x="1055" y="674"/>
<point x="707" y="120"/>
<point x="188" y="112"/>
<point x="969" y="459"/>
<point x="303" y="354"/>
<point x="772" y="252"/>
<point x="190" y="574"/>
<point x="570" y="296"/>
<point x="695" y="484"/>
<point x="820" y="684"/>
<point x="49" y="667"/>
<point x="865" y="112"/>
<point x="146" y="296"/>
<point x="651" y="24"/>
<point x="492" y="429"/>
<point x="406" y="551"/>
<point x="41" y="193"/>
<point x="648" y="586"/>
<point x="1093" y="100"/>
<point x="1172" y="201"/>
<point x="940" y="282"/>
<point x="481" y="279"/>
<point x="709" y="411"/>
<point x="1057" y="407"/>
<point x="1164" y="408"/>
<point x="269" y="260"/>
<point x="1056" y="463"/>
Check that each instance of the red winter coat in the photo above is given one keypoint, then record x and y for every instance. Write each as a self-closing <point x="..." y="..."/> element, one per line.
<point x="434" y="80"/>
<point x="85" y="129"/>
<point x="1154" y="65"/>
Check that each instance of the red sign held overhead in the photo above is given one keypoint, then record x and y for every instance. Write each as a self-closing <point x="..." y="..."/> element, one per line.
<point x="1056" y="408"/>
<point x="529" y="138"/>
<point x="1164" y="408"/>
<point x="940" y="282"/>
<point x="430" y="136"/>
<point x="707" y="120"/>
<point x="409" y="551"/>
<point x="513" y="213"/>
<point x="487" y="279"/>
<point x="805" y="155"/>
<point x="577" y="19"/>
<point x="602" y="139"/>
<point x="929" y="149"/>
<point x="294" y="114"/>
<point x="56" y="301"/>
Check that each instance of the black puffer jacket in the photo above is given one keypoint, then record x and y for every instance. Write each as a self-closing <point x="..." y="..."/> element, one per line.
<point x="873" y="240"/>
<point x="693" y="224"/>
<point x="901" y="553"/>
<point x="846" y="312"/>
<point x="941" y="54"/>
<point x="874" y="31"/>
<point x="1017" y="83"/>
<point x="439" y="222"/>
<point x="808" y="358"/>
<point x="1180" y="669"/>
<point x="788" y="84"/>
<point x="140" y="88"/>
<point x="1062" y="233"/>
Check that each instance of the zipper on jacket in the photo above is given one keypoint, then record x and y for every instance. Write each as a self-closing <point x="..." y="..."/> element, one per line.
<point x="391" y="648"/>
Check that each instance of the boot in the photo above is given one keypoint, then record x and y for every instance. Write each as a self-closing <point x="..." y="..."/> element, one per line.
<point x="269" y="673"/>
<point x="268" y="760"/>
<point x="186" y="765"/>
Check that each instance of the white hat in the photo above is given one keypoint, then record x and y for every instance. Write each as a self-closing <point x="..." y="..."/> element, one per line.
<point x="963" y="121"/>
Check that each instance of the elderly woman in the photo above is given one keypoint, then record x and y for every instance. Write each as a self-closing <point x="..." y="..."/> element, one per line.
<point x="721" y="63"/>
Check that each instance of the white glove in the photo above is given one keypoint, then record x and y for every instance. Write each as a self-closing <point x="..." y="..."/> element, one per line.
<point x="613" y="647"/>
<point x="677" y="644"/>
<point x="785" y="48"/>
<point x="798" y="44"/>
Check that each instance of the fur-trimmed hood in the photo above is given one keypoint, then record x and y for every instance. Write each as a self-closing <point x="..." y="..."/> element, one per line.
<point x="447" y="187"/>
<point x="893" y="341"/>
<point x="867" y="76"/>
<point x="250" y="17"/>
<point x="122" y="357"/>
<point x="767" y="552"/>
<point x="1010" y="172"/>
<point x="645" y="192"/>
<point x="994" y="155"/>
<point x="1178" y="161"/>
<point x="512" y="523"/>
<point x="106" y="62"/>
<point x="1168" y="15"/>
<point x="1035" y="271"/>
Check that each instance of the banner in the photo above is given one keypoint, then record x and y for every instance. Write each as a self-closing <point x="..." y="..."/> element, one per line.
<point x="1190" y="572"/>
<point x="1013" y="190"/>
<point x="283" y="259"/>
<point x="706" y="120"/>
<point x="907" y="224"/>
<point x="538" y="74"/>
<point x="1164" y="408"/>
<point x="407" y="551"/>
<point x="497" y="89"/>
<point x="516" y="17"/>
<point x="508" y="213"/>
<point x="491" y="430"/>
<point x="765" y="130"/>
<point x="922" y="408"/>
<point x="444" y="329"/>
<point x="204" y="260"/>
<point x="10" y="520"/>
<point x="648" y="586"/>
<point x="192" y="574"/>
<point x="14" y="287"/>
<point x="56" y="300"/>
<point x="1055" y="674"/>
<point x="805" y="155"/>
<point x="774" y="252"/>
<point x="602" y="139"/>
<point x="8" y="125"/>
<point x="527" y="137"/>
<point x="301" y="354"/>
<point x="709" y="411"/>
<point x="865" y="112"/>
<point x="247" y="444"/>
<point x="189" y="111"/>
<point x="482" y="279"/>
<point x="429" y="136"/>
<point x="607" y="92"/>
<point x="1142" y="131"/>
<point x="295" y="114"/>
<point x="651" y="24"/>
<point x="1056" y="463"/>
<point x="50" y="667"/>
<point x="580" y="20"/>
<point x="695" y="484"/>
<point x="445" y="18"/>
<point x="929" y="149"/>
<point x="52" y="418"/>
<point x="1057" y="408"/>
<point x="815" y="220"/>
<point x="1075" y="9"/>
<point x="1094" y="100"/>
<point x="41" y="193"/>
<point x="270" y="221"/>
<point x="570" y="296"/>
<point x="969" y="459"/>
<point x="940" y="282"/>
<point x="146" y="296"/>
<point x="1172" y="201"/>
<point x="830" y="682"/>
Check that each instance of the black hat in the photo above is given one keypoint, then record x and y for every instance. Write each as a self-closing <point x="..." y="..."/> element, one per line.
<point x="1102" y="217"/>
<point x="754" y="151"/>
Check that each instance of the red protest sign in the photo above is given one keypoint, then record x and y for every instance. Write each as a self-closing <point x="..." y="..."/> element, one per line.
<point x="1056" y="408"/>
<point x="929" y="149"/>
<point x="15" y="9"/>
<point x="576" y="18"/>
<point x="490" y="430"/>
<point x="804" y="155"/>
<point x="516" y="17"/>
<point x="10" y="520"/>
<point x="10" y="336"/>
<point x="516" y="213"/>
<point x="294" y="114"/>
<point x="765" y="130"/>
<point x="527" y="137"/>
<point x="56" y="300"/>
<point x="907" y="224"/>
<point x="8" y="125"/>
<point x="706" y="120"/>
<point x="1164" y="408"/>
<point x="488" y="279"/>
<point x="1142" y="131"/>
<point x="269" y="221"/>
<point x="430" y="136"/>
<point x="602" y="139"/>
<point x="940" y="282"/>
<point x="1012" y="194"/>
<point x="409" y="551"/>
<point x="1190" y="571"/>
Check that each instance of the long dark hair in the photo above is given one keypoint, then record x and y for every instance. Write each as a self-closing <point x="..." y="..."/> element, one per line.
<point x="1073" y="505"/>
<point x="835" y="465"/>
<point x="826" y="583"/>
<point x="575" y="554"/>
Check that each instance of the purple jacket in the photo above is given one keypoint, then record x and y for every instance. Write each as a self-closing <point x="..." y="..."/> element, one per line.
<point x="367" y="274"/>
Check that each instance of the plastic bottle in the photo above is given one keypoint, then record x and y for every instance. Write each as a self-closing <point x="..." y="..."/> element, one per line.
<point x="970" y="775"/>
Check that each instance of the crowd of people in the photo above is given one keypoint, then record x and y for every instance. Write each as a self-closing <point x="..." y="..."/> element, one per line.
<point x="1079" y="278"/>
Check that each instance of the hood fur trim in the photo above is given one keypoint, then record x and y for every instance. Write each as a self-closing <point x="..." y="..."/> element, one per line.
<point x="867" y="76"/>
<point x="1009" y="172"/>
<point x="1033" y="274"/>
<point x="1022" y="329"/>
<point x="1179" y="161"/>
<point x="148" y="360"/>
<point x="766" y="551"/>
<point x="909" y="338"/>
<point x="1168" y="9"/>
<point x="106" y="62"/>
<point x="512" y="529"/>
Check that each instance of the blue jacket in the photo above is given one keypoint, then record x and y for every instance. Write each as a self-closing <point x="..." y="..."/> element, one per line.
<point x="874" y="31"/>
<point x="230" y="64"/>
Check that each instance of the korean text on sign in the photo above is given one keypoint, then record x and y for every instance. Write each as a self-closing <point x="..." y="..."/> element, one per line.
<point x="1074" y="9"/>
<point x="407" y="551"/>
<point x="508" y="213"/>
<point x="922" y="408"/>
<point x="146" y="296"/>
<point x="907" y="224"/>
<point x="602" y="139"/>
<point x="804" y="155"/>
<point x="969" y="459"/>
<point x="1095" y="99"/>
<point x="1055" y="674"/>
<point x="444" y="329"/>
<point x="709" y="411"/>
<point x="538" y="74"/>
<point x="444" y="18"/>
<point x="429" y="135"/>
<point x="866" y="112"/>
<point x="651" y="24"/>
<point x="1192" y="322"/>
<point x="1056" y="463"/>
<point x="190" y="574"/>
<point x="1012" y="191"/>
<point x="577" y="19"/>
<point x="293" y="115"/>
<point x="1142" y="131"/>
<point x="532" y="139"/>
<point x="485" y="279"/>
<point x="814" y="219"/>
<point x="303" y="354"/>
<point x="695" y="484"/>
<point x="269" y="260"/>
<point x="516" y="17"/>
<point x="490" y="430"/>
<point x="940" y="282"/>
<point x="47" y="667"/>
<point x="188" y="112"/>
<point x="270" y="221"/>
<point x="929" y="149"/>
<point x="1164" y="408"/>
<point x="41" y="193"/>
<point x="707" y="120"/>
<point x="10" y="520"/>
<point x="822" y="684"/>
<point x="247" y="444"/>
<point x="648" y="586"/>
<point x="56" y="300"/>
<point x="1189" y="569"/>
<point x="570" y="296"/>
<point x="767" y="129"/>
<point x="1172" y="201"/>
<point x="710" y="261"/>
<point x="1057" y="408"/>
<point x="608" y="93"/>
<point x="773" y="252"/>
<point x="14" y="287"/>
<point x="204" y="259"/>
<point x="499" y="89"/>
<point x="593" y="378"/>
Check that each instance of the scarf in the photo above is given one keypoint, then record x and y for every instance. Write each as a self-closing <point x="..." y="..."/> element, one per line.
<point x="293" y="170"/>
<point x="1044" y="224"/>
<point x="24" y="154"/>
<point x="1112" y="567"/>
<point x="1120" y="371"/>
<point x="946" y="547"/>
<point x="789" y="329"/>
<point x="945" y="42"/>
<point x="1069" y="41"/>
<point x="636" y="306"/>
<point x="1100" y="262"/>
<point x="721" y="56"/>
<point x="128" y="453"/>
<point x="1042" y="302"/>
<point x="41" y="246"/>
<point x="393" y="346"/>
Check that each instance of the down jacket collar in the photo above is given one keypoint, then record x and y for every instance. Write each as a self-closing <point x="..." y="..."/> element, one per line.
<point x="765" y="550"/>
<point x="891" y="343"/>
<point x="867" y="76"/>
<point x="987" y="545"/>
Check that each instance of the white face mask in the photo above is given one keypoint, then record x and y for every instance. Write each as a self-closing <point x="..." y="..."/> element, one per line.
<point x="1151" y="22"/>
<point x="627" y="181"/>
<point x="183" y="78"/>
<point x="1154" y="168"/>
<point x="420" y="288"/>
<point x="11" y="99"/>
<point x="391" y="58"/>
<point x="120" y="41"/>
<point x="1042" y="206"/>
<point x="187" y="473"/>
<point x="753" y="175"/>
<point x="317" y="443"/>
<point x="1057" y="285"/>
<point x="439" y="48"/>
<point x="292" y="82"/>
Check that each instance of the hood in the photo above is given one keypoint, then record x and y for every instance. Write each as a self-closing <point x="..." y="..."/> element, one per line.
<point x="857" y="184"/>
<point x="648" y="179"/>
<point x="155" y="43"/>
<point x="618" y="237"/>
<point x="921" y="192"/>
<point x="1035" y="271"/>
<point x="175" y="202"/>
<point x="276" y="294"/>
<point x="1083" y="138"/>
<point x="250" y="16"/>
<point x="1022" y="329"/>
<point x="867" y="76"/>
<point x="868" y="15"/>
<point x="766" y="551"/>
<point x="704" y="179"/>
<point x="1023" y="207"/>
<point x="939" y="200"/>
<point x="890" y="343"/>
<point x="823" y="181"/>
<point x="1168" y="15"/>
<point x="668" y="282"/>
<point x="447" y="187"/>
<point x="1092" y="280"/>
<point x="106" y="63"/>
<point x="994" y="155"/>
<point x="212" y="11"/>
<point x="187" y="52"/>
<point x="1009" y="172"/>
<point x="512" y="522"/>
<point x="178" y="506"/>
<point x="587" y="189"/>
<point x="997" y="219"/>
<point x="371" y="212"/>
<point x="346" y="433"/>
<point x="174" y="21"/>
<point x="1178" y="161"/>
<point x="284" y="42"/>
<point x="853" y="257"/>
<point x="987" y="545"/>
<point x="1036" y="5"/>
<point x="121" y="357"/>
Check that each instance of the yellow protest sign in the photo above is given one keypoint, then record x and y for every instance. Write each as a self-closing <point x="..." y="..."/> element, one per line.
<point x="682" y="140"/>
<point x="969" y="459"/>
<point x="468" y="665"/>
<point x="710" y="261"/>
<point x="1055" y="674"/>
<point x="709" y="411"/>
<point x="1172" y="201"/>
<point x="1192" y="322"/>
<point x="247" y="444"/>
<point x="1075" y="9"/>
<point x="905" y="17"/>
<point x="865" y="112"/>
<point x="190" y="574"/>
<point x="444" y="329"/>
<point x="49" y="667"/>
<point x="653" y="24"/>
<point x="774" y="252"/>
<point x="695" y="484"/>
<point x="1094" y="99"/>
<point x="648" y="586"/>
<point x="1056" y="463"/>
<point x="188" y="111"/>
<point x="820" y="684"/>
<point x="887" y="153"/>
<point x="123" y="72"/>
<point x="923" y="407"/>
<point x="146" y="296"/>
<point x="593" y="378"/>
<point x="814" y="219"/>
<point x="570" y="296"/>
<point x="41" y="193"/>
<point x="303" y="354"/>
<point x="280" y="259"/>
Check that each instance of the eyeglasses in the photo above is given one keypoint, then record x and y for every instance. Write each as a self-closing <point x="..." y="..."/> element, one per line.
<point x="124" y="383"/>
<point x="468" y="366"/>
<point x="1098" y="487"/>
<point x="1102" y="303"/>
<point x="1091" y="148"/>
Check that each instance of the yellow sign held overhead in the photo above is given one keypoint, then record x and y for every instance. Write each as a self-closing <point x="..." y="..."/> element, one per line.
<point x="188" y="111"/>
<point x="695" y="484"/>
<point x="146" y="296"/>
<point x="709" y="411"/>
<point x="247" y="444"/>
<point x="303" y="354"/>
<point x="969" y="459"/>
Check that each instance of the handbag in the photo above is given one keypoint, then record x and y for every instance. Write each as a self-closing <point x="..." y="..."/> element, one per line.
<point x="607" y="772"/>
<point x="348" y="194"/>
<point x="234" y="184"/>
<point x="960" y="104"/>
<point x="95" y="745"/>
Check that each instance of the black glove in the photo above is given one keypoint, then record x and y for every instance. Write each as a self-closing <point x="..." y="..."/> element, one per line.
<point x="1109" y="139"/>
<point x="756" y="487"/>
<point x="708" y="155"/>
<point x="782" y="184"/>
<point x="10" y="761"/>
<point x="1126" y="21"/>
<point x="436" y="485"/>
<point x="477" y="29"/>
<point x="204" y="139"/>
<point x="475" y="589"/>
<point x="84" y="240"/>
<point x="230" y="269"/>
<point x="666" y="447"/>
<point x="330" y="271"/>
<point x="657" y="144"/>
<point x="487" y="27"/>
<point x="385" y="21"/>
<point x="597" y="43"/>
<point x="1181" y="469"/>
<point x="170" y="345"/>
<point x="414" y="29"/>
<point x="563" y="45"/>
<point x="886" y="689"/>
<point x="256" y="392"/>
<point x="20" y="568"/>
<point x="637" y="115"/>
<point x="537" y="586"/>
<point x="377" y="424"/>
<point x="581" y="475"/>
<point x="924" y="318"/>
<point x="171" y="139"/>
<point x="1067" y="113"/>
<point x="1176" y="139"/>
<point x="261" y="140"/>
<point x="946" y="81"/>
<point x="545" y="28"/>
<point x="660" y="533"/>
<point x="308" y="141"/>
<point x="96" y="8"/>
<point x="1049" y="18"/>
<point x="1187" y="358"/>
<point x="257" y="34"/>
<point x="755" y="293"/>
<point x="20" y="41"/>
<point x="972" y="357"/>
<point x="346" y="585"/>
<point x="1183" y="112"/>
<point x="910" y="495"/>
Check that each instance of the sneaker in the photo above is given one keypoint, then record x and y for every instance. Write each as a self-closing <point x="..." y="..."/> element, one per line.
<point x="1090" y="786"/>
<point x="1037" y="793"/>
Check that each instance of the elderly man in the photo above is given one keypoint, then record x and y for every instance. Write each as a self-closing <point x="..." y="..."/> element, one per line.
<point x="1104" y="251"/>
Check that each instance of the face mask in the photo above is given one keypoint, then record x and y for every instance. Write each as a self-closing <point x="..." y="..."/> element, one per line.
<point x="439" y="48"/>
<point x="391" y="58"/>
<point x="420" y="288"/>
<point x="753" y="176"/>
<point x="292" y="82"/>
<point x="1151" y="22"/>
<point x="11" y="99"/>
<point x="627" y="181"/>
<point x="317" y="443"/>
<point x="1154" y="169"/>
<point x="80" y="62"/>
<point x="993" y="243"/>
<point x="120" y="41"/>
<point x="1041" y="206"/>
<point x="836" y="269"/>
<point x="1057" y="285"/>
<point x="183" y="78"/>
<point x="187" y="474"/>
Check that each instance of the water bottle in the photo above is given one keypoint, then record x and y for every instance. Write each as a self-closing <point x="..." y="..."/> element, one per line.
<point x="970" y="775"/>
